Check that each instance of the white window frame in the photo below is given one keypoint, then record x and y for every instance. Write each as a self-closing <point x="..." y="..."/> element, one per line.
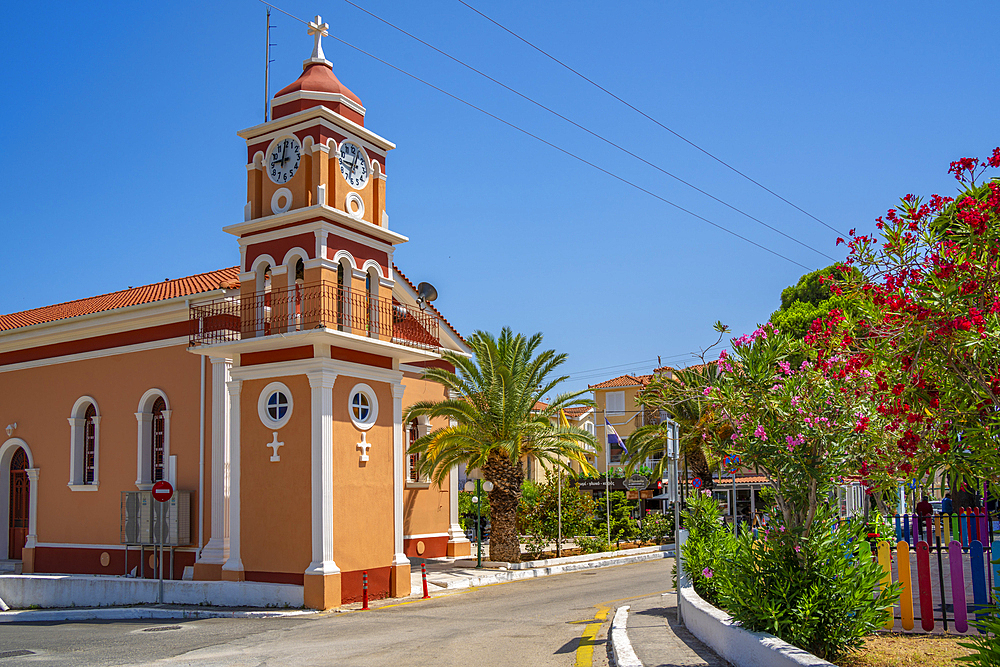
<point x="265" y="418"/>
<point x="619" y="397"/>
<point x="144" y="439"/>
<point x="363" y="424"/>
<point x="77" y="436"/>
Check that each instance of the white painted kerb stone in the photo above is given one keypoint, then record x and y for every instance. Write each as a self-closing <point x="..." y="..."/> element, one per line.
<point x="620" y="645"/>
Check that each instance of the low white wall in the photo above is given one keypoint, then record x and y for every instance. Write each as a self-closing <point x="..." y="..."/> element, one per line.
<point x="717" y="630"/>
<point x="24" y="591"/>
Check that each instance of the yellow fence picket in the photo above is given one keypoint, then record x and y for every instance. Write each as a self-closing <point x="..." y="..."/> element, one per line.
<point x="885" y="560"/>
<point x="906" y="595"/>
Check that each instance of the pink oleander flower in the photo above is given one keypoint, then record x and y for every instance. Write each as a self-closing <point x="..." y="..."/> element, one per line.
<point x="708" y="390"/>
<point x="781" y="529"/>
<point x="707" y="573"/>
<point x="760" y="433"/>
<point x="797" y="548"/>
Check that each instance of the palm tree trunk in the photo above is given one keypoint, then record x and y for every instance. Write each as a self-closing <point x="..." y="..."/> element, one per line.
<point x="505" y="544"/>
<point x="699" y="465"/>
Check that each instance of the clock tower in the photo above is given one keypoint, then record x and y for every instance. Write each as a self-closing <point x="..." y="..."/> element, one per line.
<point x="316" y="341"/>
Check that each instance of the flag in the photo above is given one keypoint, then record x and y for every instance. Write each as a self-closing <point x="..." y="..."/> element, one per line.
<point x="613" y="437"/>
<point x="562" y="418"/>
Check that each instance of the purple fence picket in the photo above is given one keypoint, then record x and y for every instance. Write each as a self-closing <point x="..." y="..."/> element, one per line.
<point x="958" y="586"/>
<point x="978" y="578"/>
<point x="983" y="527"/>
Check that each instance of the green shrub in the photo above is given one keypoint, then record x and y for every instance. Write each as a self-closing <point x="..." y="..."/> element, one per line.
<point x="658" y="528"/>
<point x="623" y="526"/>
<point x="986" y="646"/>
<point x="707" y="546"/>
<point x="813" y="591"/>
<point x="593" y="545"/>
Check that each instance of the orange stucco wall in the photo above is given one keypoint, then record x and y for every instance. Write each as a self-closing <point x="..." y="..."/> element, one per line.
<point x="40" y="400"/>
<point x="276" y="496"/>
<point x="362" y="491"/>
<point x="425" y="511"/>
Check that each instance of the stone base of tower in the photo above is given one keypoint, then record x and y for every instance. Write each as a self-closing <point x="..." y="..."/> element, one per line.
<point x="459" y="548"/>
<point x="321" y="591"/>
<point x="208" y="571"/>
<point x="399" y="581"/>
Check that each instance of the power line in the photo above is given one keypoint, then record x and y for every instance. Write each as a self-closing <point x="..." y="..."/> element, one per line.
<point x="549" y="143"/>
<point x="648" y="117"/>
<point x="587" y="130"/>
<point x="631" y="364"/>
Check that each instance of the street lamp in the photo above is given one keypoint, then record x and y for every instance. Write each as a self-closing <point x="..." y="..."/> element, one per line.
<point x="479" y="487"/>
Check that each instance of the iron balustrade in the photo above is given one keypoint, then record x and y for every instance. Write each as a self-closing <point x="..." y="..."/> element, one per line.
<point x="312" y="306"/>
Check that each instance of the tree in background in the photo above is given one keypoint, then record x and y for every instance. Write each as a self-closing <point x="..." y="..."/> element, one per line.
<point x="538" y="513"/>
<point x="494" y="394"/>
<point x="805" y="302"/>
<point x="623" y="526"/>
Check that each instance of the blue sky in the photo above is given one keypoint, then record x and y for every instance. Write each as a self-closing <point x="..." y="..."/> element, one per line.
<point x="123" y="163"/>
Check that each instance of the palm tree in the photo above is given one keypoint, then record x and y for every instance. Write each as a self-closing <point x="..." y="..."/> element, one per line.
<point x="491" y="400"/>
<point x="682" y="398"/>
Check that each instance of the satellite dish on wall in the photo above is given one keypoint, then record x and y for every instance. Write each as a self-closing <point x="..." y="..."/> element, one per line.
<point x="425" y="294"/>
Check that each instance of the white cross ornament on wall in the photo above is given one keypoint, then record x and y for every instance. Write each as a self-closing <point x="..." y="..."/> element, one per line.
<point x="364" y="445"/>
<point x="274" y="444"/>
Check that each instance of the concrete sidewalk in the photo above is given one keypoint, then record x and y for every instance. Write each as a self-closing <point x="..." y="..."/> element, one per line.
<point x="658" y="640"/>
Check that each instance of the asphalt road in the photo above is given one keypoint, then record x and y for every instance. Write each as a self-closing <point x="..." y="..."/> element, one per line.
<point x="560" y="620"/>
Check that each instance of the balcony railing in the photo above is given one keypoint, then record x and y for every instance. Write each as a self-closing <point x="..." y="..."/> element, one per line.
<point x="313" y="306"/>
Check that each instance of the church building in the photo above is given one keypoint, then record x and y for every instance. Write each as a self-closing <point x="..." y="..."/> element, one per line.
<point x="270" y="395"/>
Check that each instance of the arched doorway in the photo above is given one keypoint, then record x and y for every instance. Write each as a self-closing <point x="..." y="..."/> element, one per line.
<point x="19" y="504"/>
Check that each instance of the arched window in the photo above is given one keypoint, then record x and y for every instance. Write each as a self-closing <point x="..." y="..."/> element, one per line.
<point x="153" y="446"/>
<point x="341" y="296"/>
<point x="84" y="445"/>
<point x="159" y="440"/>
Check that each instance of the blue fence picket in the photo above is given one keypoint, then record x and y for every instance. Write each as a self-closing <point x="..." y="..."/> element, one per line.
<point x="899" y="528"/>
<point x="978" y="578"/>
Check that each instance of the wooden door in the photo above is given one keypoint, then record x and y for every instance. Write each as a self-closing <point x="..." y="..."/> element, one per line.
<point x="19" y="503"/>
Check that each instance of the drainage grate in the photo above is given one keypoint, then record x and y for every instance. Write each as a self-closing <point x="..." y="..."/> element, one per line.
<point x="161" y="628"/>
<point x="15" y="654"/>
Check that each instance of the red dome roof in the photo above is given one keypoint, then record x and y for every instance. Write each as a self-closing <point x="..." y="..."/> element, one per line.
<point x="319" y="78"/>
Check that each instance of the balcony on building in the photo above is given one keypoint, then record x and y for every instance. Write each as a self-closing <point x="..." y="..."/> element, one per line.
<point x="307" y="307"/>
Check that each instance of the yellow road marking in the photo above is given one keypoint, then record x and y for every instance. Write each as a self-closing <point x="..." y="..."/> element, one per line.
<point x="585" y="651"/>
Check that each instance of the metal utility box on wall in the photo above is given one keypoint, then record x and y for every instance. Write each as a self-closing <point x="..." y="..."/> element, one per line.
<point x="140" y="519"/>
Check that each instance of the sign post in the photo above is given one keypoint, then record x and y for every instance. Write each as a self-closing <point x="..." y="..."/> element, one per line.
<point x="162" y="492"/>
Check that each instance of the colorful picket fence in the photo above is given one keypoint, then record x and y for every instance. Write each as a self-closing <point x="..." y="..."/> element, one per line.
<point x="940" y="558"/>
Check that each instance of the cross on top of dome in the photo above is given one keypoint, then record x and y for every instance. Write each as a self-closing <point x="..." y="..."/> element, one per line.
<point x="318" y="30"/>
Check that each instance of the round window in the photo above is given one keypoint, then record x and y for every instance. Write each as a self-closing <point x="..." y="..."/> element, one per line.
<point x="275" y="405"/>
<point x="363" y="406"/>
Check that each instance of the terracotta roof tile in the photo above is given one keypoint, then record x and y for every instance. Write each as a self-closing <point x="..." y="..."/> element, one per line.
<point x="623" y="381"/>
<point x="578" y="412"/>
<point x="431" y="305"/>
<point x="747" y="479"/>
<point x="168" y="289"/>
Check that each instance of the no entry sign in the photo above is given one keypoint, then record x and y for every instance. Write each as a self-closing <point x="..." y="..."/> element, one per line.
<point x="162" y="491"/>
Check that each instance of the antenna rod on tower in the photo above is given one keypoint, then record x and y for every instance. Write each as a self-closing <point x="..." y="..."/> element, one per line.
<point x="267" y="66"/>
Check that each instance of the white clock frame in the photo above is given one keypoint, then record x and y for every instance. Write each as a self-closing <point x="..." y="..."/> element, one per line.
<point x="364" y="156"/>
<point x="270" y="149"/>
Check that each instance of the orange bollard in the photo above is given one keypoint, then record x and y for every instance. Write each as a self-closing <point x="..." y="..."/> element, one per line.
<point x="423" y="573"/>
<point x="364" y="591"/>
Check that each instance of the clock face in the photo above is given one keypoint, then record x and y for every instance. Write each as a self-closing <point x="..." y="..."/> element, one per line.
<point x="284" y="160"/>
<point x="354" y="165"/>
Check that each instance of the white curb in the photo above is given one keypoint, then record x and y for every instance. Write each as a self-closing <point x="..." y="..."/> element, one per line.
<point x="621" y="647"/>
<point x="135" y="613"/>
<point x="515" y="575"/>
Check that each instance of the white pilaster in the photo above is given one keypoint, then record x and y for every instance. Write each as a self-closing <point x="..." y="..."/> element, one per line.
<point x="217" y="549"/>
<point x="233" y="563"/>
<point x="32" y="539"/>
<point x="398" y="474"/>
<point x="321" y="385"/>
<point x="455" y="532"/>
